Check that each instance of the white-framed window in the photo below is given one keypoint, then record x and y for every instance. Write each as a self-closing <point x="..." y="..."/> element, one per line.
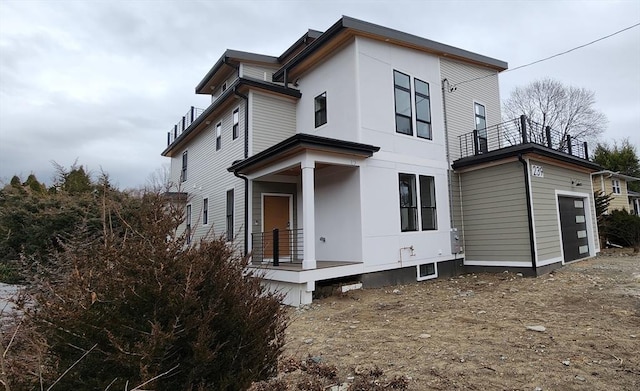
<point x="205" y="211"/>
<point x="427" y="271"/>
<point x="224" y="86"/>
<point x="413" y="218"/>
<point x="615" y="184"/>
<point x="423" y="109"/>
<point x="236" y="123"/>
<point x="480" y="114"/>
<point x="230" y="215"/>
<point x="320" y="109"/>
<point x="188" y="224"/>
<point x="183" y="173"/>
<point x="402" y="97"/>
<point x="218" y="136"/>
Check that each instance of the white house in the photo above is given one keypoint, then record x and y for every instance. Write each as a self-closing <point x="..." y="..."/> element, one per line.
<point x="351" y="157"/>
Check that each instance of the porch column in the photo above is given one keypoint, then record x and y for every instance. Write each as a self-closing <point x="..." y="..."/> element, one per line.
<point x="308" y="214"/>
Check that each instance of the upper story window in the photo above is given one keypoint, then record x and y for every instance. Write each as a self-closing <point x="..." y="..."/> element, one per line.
<point x="320" y="107"/>
<point x="423" y="109"/>
<point x="183" y="174"/>
<point x="411" y="219"/>
<point x="616" y="186"/>
<point x="218" y="136"/>
<point x="236" y="123"/>
<point x="230" y="215"/>
<point x="205" y="211"/>
<point x="481" y="127"/>
<point x="224" y="86"/>
<point x="188" y="224"/>
<point x="402" y="94"/>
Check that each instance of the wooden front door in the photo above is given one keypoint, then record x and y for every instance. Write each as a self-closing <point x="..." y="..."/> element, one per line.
<point x="276" y="214"/>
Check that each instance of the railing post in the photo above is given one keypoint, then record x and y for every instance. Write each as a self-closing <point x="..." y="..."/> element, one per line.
<point x="586" y="150"/>
<point x="276" y="247"/>
<point x="192" y="108"/>
<point x="168" y="138"/>
<point x="569" y="149"/>
<point x="175" y="131"/>
<point x="475" y="142"/>
<point x="547" y="131"/>
<point x="523" y="128"/>
<point x="183" y="122"/>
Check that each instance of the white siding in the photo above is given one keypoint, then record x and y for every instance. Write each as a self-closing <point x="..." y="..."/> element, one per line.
<point x="273" y="119"/>
<point x="255" y="71"/>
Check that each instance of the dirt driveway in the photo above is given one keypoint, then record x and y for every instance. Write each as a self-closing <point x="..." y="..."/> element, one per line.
<point x="470" y="332"/>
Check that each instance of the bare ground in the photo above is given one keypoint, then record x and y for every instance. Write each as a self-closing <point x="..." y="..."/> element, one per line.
<point x="469" y="332"/>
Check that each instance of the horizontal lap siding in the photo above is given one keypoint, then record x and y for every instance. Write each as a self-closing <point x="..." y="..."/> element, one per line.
<point x="495" y="214"/>
<point x="544" y="200"/>
<point x="257" y="72"/>
<point x="274" y="120"/>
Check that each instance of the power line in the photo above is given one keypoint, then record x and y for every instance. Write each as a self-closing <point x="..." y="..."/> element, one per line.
<point x="550" y="57"/>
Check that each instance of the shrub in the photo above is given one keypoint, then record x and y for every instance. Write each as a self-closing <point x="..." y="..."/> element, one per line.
<point x="622" y="228"/>
<point x="147" y="306"/>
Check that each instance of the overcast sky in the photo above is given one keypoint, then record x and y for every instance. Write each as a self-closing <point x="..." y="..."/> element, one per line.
<point x="103" y="81"/>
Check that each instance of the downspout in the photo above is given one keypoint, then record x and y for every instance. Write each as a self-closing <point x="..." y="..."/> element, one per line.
<point x="449" y="170"/>
<point x="532" y="245"/>
<point x="246" y="180"/>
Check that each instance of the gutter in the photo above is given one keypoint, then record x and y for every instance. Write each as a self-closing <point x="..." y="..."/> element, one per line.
<point x="532" y="245"/>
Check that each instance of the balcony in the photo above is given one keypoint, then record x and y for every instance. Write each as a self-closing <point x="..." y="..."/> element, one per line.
<point x="519" y="131"/>
<point x="183" y="124"/>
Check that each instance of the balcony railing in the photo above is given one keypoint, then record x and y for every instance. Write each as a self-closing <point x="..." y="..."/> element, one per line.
<point x="183" y="124"/>
<point x="284" y="245"/>
<point x="519" y="131"/>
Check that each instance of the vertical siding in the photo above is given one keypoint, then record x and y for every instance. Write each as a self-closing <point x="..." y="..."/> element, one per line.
<point x="256" y="201"/>
<point x="207" y="176"/>
<point x="460" y="115"/>
<point x="273" y="120"/>
<point x="545" y="209"/>
<point x="257" y="71"/>
<point x="495" y="214"/>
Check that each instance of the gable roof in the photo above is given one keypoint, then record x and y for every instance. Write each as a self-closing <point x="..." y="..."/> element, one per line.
<point x="610" y="173"/>
<point x="347" y="27"/>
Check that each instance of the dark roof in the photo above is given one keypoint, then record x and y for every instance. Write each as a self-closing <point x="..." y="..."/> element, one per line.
<point x="230" y="54"/>
<point x="308" y="36"/>
<point x="522" y="149"/>
<point x="386" y="33"/>
<point x="302" y="141"/>
<point x="223" y="98"/>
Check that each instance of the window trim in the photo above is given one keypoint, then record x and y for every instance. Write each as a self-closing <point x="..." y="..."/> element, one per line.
<point x="235" y="119"/>
<point x="205" y="211"/>
<point x="416" y="182"/>
<point x="395" y="103"/>
<point x="223" y="88"/>
<point x="187" y="220"/>
<point x="428" y="98"/>
<point x="218" y="136"/>
<point x="414" y="201"/>
<point x="435" y="204"/>
<point x="317" y="111"/>
<point x="428" y="276"/>
<point x="616" y="186"/>
<point x="185" y="160"/>
<point x="479" y="147"/>
<point x="230" y="214"/>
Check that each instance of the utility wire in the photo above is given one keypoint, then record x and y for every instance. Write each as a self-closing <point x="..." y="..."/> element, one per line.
<point x="550" y="57"/>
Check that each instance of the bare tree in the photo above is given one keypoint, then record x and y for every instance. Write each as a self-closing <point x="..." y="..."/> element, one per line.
<point x="567" y="110"/>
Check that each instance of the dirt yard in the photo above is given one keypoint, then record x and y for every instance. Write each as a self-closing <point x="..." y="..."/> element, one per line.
<point x="470" y="332"/>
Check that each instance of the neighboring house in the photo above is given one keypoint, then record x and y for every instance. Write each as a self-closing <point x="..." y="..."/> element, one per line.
<point x="365" y="153"/>
<point x="616" y="185"/>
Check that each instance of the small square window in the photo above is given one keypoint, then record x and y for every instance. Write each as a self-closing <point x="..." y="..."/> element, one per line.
<point x="427" y="271"/>
<point x="321" y="109"/>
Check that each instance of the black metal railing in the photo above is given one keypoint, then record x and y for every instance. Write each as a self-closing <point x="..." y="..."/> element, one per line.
<point x="519" y="131"/>
<point x="279" y="245"/>
<point x="183" y="124"/>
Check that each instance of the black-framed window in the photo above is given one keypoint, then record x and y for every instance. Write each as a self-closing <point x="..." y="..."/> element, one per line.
<point x="188" y="223"/>
<point x="205" y="211"/>
<point x="426" y="270"/>
<point x="428" y="203"/>
<point x="320" y="109"/>
<point x="408" y="203"/>
<point x="218" y="136"/>
<point x="423" y="109"/>
<point x="224" y="86"/>
<point x="230" y="215"/>
<point x="236" y="123"/>
<point x="481" y="127"/>
<point x="402" y="97"/>
<point x="183" y="173"/>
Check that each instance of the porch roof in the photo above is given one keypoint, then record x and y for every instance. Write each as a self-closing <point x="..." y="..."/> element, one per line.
<point x="301" y="142"/>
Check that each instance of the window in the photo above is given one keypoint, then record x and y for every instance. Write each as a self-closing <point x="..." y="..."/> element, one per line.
<point x="236" y="123"/>
<point x="224" y="86"/>
<point x="616" y="186"/>
<point x="402" y="90"/>
<point x="321" y="109"/>
<point x="183" y="174"/>
<point x="427" y="271"/>
<point x="230" y="215"/>
<point x="205" y="211"/>
<point x="408" y="203"/>
<point x="218" y="136"/>
<point x="481" y="128"/>
<point x="188" y="223"/>
<point x="428" y="203"/>
<point x="409" y="214"/>
<point x="423" y="109"/>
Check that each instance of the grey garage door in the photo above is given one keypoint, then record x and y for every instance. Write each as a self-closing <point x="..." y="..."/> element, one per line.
<point x="573" y="223"/>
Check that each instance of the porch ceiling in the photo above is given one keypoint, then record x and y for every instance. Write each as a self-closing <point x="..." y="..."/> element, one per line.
<point x="300" y="143"/>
